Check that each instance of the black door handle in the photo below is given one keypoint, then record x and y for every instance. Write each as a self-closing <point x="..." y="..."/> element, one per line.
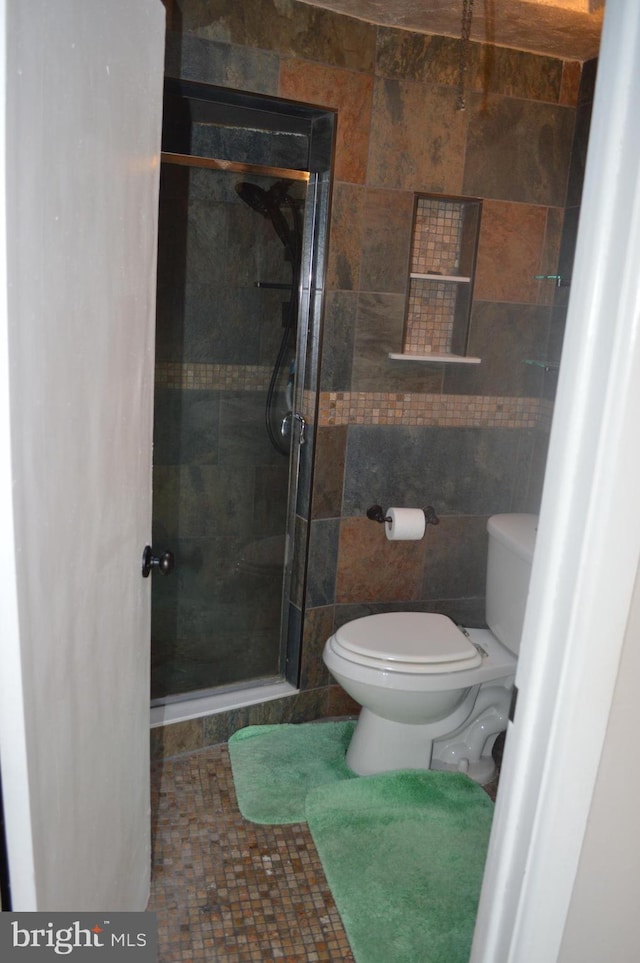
<point x="165" y="562"/>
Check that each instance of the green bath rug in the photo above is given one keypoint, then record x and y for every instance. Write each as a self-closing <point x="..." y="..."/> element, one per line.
<point x="404" y="854"/>
<point x="274" y="767"/>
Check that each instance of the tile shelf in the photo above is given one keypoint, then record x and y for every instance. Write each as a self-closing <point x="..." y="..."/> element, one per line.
<point x="440" y="276"/>
<point x="436" y="358"/>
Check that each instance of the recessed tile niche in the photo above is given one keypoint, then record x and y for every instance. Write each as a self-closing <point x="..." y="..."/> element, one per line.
<point x="443" y="258"/>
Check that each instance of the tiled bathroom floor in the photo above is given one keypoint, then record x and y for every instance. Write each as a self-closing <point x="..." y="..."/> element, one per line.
<point x="230" y="891"/>
<point x="227" y="890"/>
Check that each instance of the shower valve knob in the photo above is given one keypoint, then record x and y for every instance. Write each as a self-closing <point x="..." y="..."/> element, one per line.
<point x="165" y="562"/>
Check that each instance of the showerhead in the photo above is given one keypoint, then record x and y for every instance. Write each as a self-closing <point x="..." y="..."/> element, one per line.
<point x="269" y="204"/>
<point x="255" y="197"/>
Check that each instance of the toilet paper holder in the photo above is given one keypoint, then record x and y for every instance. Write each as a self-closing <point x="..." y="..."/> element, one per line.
<point x="376" y="514"/>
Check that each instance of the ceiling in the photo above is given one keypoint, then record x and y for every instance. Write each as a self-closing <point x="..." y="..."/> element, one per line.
<point x="569" y="29"/>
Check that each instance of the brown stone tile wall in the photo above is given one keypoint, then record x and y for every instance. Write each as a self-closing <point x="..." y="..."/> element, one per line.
<point x="399" y="133"/>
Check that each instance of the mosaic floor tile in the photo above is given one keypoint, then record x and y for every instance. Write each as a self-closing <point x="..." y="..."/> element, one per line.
<point x="229" y="891"/>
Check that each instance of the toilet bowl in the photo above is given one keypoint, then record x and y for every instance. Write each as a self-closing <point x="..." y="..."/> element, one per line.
<point x="435" y="695"/>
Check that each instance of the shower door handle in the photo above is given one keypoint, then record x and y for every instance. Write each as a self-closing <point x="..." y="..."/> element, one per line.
<point x="286" y="425"/>
<point x="303" y="426"/>
<point x="165" y="562"/>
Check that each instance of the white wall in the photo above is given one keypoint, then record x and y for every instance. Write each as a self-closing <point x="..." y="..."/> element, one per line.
<point x="83" y="87"/>
<point x="603" y="922"/>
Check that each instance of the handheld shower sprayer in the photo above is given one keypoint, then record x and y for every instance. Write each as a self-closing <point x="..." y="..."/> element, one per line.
<point x="271" y="204"/>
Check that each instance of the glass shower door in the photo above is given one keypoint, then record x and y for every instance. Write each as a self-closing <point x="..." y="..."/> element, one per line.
<point x="228" y="280"/>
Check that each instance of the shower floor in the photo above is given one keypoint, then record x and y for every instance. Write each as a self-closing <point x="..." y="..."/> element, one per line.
<point x="230" y="891"/>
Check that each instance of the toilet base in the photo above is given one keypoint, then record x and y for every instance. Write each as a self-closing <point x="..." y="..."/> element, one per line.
<point x="462" y="742"/>
<point x="481" y="771"/>
<point x="380" y="745"/>
<point x="469" y="748"/>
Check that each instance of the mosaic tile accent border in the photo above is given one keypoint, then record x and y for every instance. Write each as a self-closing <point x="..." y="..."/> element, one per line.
<point x="370" y="407"/>
<point x="443" y="411"/>
<point x="216" y="377"/>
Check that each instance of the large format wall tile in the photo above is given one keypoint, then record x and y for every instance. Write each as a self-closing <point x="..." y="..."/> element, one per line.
<point x="243" y="439"/>
<point x="456" y="555"/>
<point x="528" y="481"/>
<point x="371" y="568"/>
<point x="337" y="340"/>
<point x="292" y="29"/>
<point x="518" y="150"/>
<point x="323" y="554"/>
<point x="270" y="502"/>
<point x="198" y="500"/>
<point x="417" y="138"/>
<point x="379" y="327"/>
<point x="457" y="470"/>
<point x="318" y="628"/>
<point x="510" y="252"/>
<point x="185" y="427"/>
<point x="535" y="466"/>
<point x="404" y="55"/>
<point x="550" y="255"/>
<point x="343" y="271"/>
<point x="569" y="90"/>
<point x="515" y="73"/>
<point x="217" y="63"/>
<point x="588" y="81"/>
<point x="379" y="330"/>
<point x="348" y="92"/>
<point x="386" y="240"/>
<point x="567" y="250"/>
<point x="329" y="476"/>
<point x="579" y="154"/>
<point x="504" y="336"/>
<point x="210" y="330"/>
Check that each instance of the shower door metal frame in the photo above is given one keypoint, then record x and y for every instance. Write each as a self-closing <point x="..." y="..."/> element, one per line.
<point x="319" y="123"/>
<point x="234" y="167"/>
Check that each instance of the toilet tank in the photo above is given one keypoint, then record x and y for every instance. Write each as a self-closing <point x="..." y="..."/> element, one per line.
<point x="511" y="543"/>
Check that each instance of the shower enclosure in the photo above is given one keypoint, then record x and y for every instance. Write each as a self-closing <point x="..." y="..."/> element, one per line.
<point x="242" y="231"/>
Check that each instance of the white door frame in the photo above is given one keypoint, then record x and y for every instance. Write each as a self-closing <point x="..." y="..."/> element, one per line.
<point x="588" y="543"/>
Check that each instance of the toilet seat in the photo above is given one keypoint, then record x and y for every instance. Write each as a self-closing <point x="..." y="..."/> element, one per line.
<point x="415" y="642"/>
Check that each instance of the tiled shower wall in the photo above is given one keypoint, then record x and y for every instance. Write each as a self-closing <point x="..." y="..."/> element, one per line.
<point x="470" y="440"/>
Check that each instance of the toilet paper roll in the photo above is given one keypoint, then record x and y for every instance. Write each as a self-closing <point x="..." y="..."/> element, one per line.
<point x="405" y="524"/>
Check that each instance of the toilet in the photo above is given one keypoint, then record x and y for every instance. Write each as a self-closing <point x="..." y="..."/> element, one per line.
<point x="436" y="695"/>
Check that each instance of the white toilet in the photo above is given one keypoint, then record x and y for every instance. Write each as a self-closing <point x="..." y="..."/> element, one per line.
<point x="435" y="695"/>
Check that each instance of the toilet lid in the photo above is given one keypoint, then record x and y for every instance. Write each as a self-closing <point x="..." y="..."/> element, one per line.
<point x="428" y="640"/>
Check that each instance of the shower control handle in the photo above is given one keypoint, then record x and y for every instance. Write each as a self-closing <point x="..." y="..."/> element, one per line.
<point x="165" y="562"/>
